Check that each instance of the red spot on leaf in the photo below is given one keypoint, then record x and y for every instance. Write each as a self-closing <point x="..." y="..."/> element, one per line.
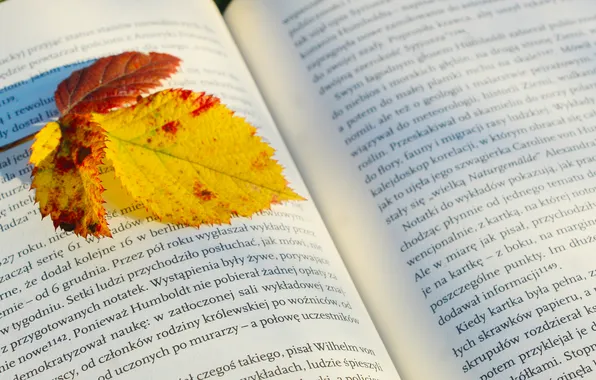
<point x="206" y="195"/>
<point x="261" y="161"/>
<point x="171" y="127"/>
<point x="184" y="94"/>
<point x="64" y="164"/>
<point x="259" y="164"/>
<point x="202" y="193"/>
<point x="204" y="102"/>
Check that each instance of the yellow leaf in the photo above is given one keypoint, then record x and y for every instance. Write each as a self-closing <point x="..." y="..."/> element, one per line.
<point x="46" y="141"/>
<point x="65" y="175"/>
<point x="189" y="160"/>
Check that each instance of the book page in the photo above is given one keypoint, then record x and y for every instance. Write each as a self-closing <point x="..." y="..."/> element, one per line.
<point x="449" y="147"/>
<point x="264" y="297"/>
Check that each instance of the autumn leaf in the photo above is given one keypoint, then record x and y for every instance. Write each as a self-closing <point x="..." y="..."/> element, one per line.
<point x="113" y="81"/>
<point x="184" y="155"/>
<point x="190" y="160"/>
<point x="66" y="153"/>
<point x="66" y="156"/>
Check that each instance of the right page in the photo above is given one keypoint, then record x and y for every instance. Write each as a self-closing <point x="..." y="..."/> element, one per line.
<point x="450" y="148"/>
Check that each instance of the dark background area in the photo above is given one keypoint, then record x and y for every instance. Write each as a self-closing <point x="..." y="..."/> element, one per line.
<point x="222" y="4"/>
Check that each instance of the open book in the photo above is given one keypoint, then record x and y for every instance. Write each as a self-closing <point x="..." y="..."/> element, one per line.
<point x="448" y="149"/>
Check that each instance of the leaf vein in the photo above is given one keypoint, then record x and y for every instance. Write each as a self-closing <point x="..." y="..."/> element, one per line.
<point x="149" y="68"/>
<point x="155" y="151"/>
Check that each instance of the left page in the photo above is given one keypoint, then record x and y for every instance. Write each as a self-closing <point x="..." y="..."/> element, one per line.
<point x="265" y="297"/>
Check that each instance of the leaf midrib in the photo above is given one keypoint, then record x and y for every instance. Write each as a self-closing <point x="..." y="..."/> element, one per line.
<point x="199" y="164"/>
